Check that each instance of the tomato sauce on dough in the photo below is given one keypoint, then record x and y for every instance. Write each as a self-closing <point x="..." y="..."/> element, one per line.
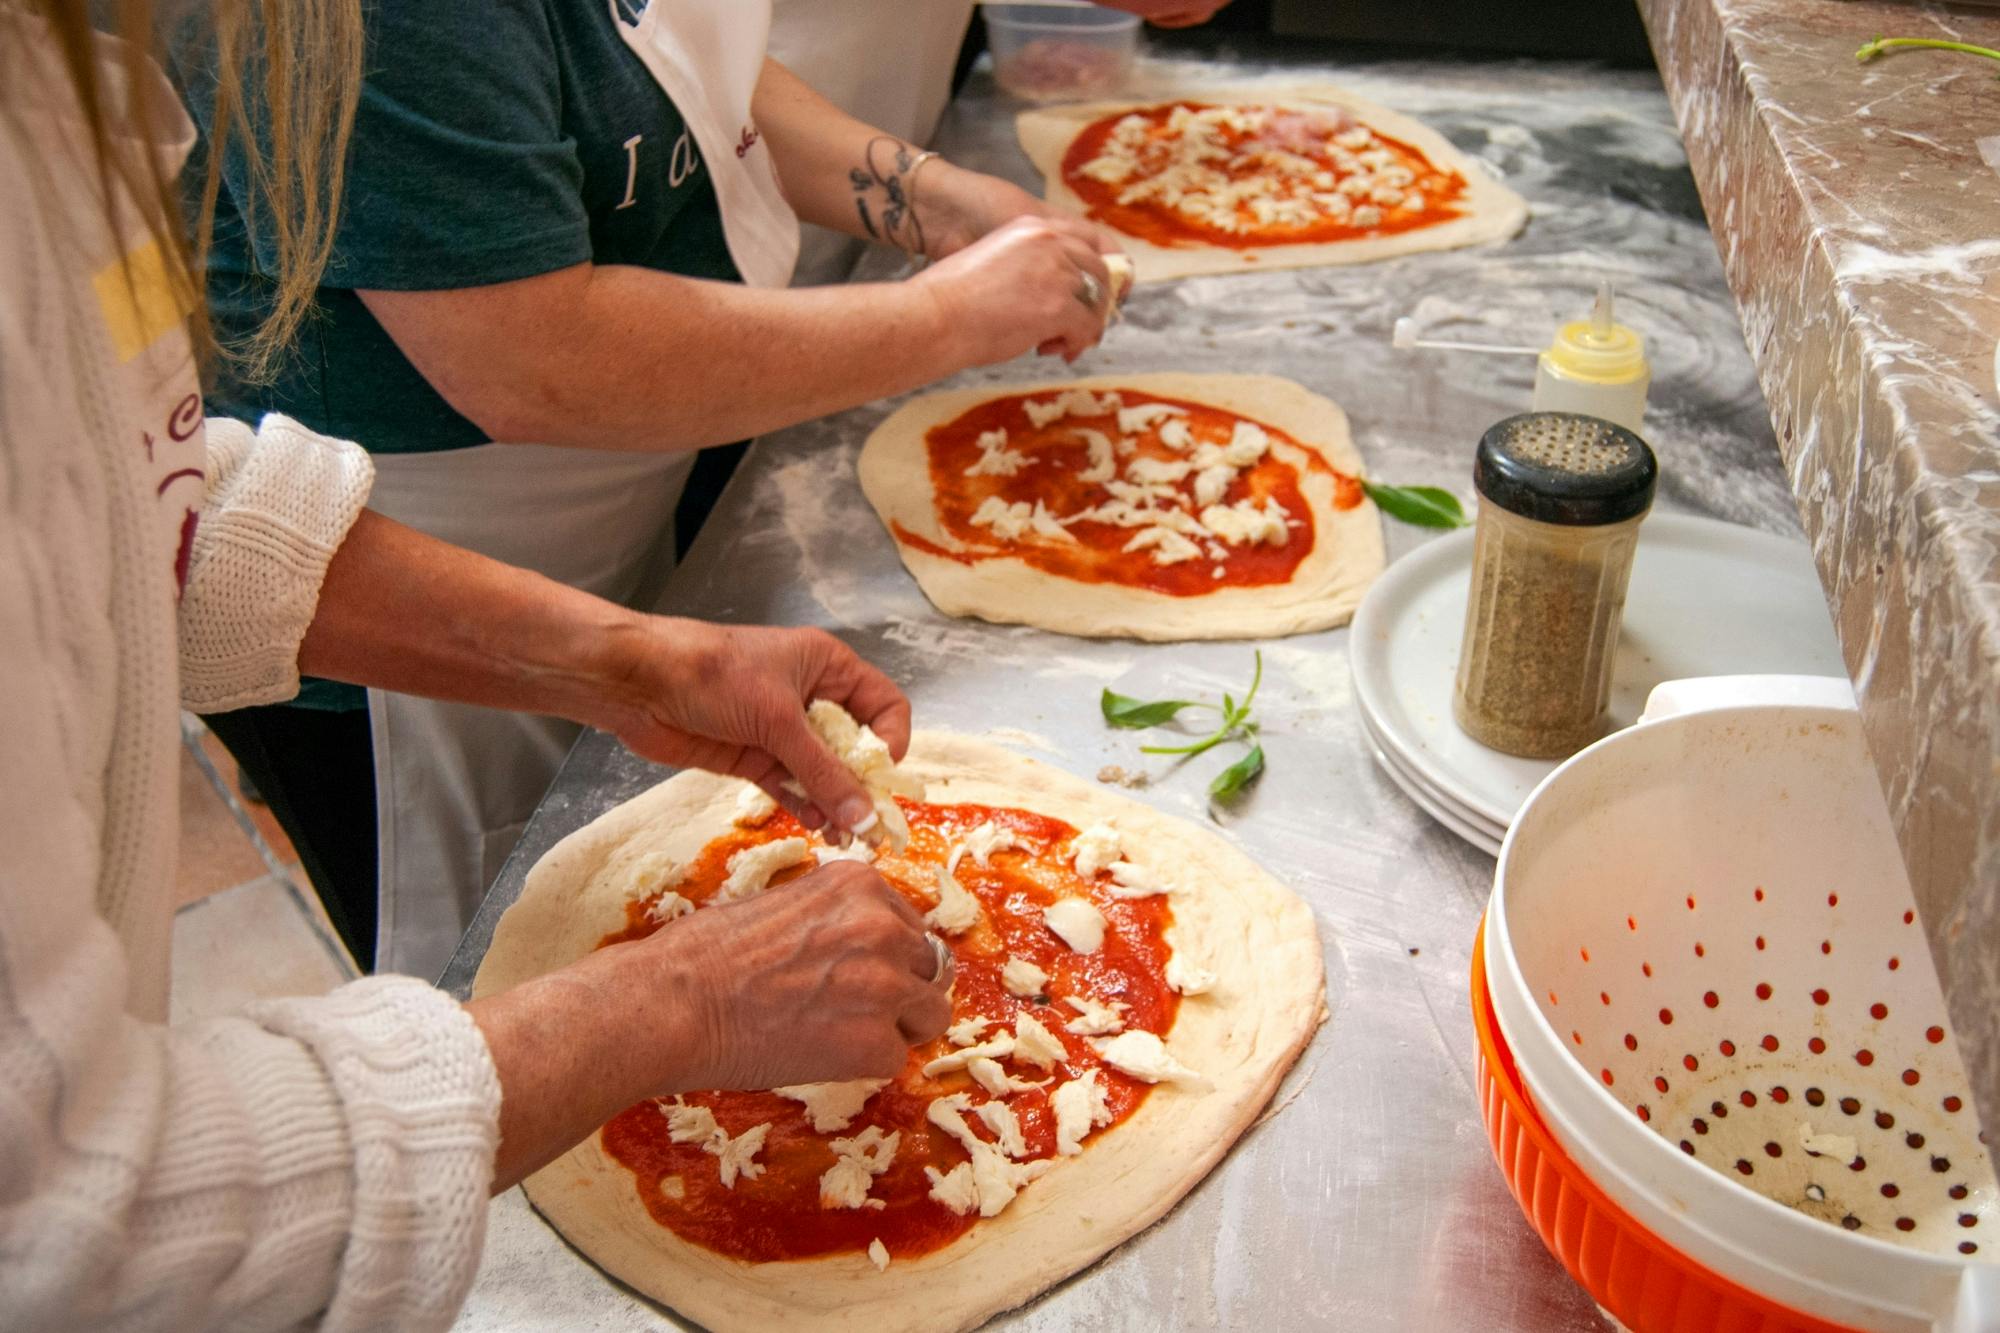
<point x="777" y="1215"/>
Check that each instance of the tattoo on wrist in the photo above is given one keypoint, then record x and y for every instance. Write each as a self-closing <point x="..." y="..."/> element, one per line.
<point x="885" y="195"/>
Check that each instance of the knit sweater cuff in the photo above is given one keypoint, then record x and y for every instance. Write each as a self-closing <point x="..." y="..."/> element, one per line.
<point x="280" y="501"/>
<point x="422" y="1109"/>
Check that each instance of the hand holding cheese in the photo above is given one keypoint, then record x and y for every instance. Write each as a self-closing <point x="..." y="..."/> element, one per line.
<point x="1017" y="289"/>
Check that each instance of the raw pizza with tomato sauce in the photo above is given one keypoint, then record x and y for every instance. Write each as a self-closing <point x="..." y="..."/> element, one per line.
<point x="1130" y="990"/>
<point x="1159" y="507"/>
<point x="1228" y="182"/>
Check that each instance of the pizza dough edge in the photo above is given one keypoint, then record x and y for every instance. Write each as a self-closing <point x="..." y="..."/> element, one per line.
<point x="1259" y="937"/>
<point x="1348" y="552"/>
<point x="1493" y="211"/>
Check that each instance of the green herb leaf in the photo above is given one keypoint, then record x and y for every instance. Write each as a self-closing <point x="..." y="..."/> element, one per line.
<point x="1198" y="747"/>
<point x="1121" y="711"/>
<point x="1423" y="506"/>
<point x="1232" y="780"/>
<point x="1882" y="44"/>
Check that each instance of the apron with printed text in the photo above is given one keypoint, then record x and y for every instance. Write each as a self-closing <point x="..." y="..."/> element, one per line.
<point x="455" y="784"/>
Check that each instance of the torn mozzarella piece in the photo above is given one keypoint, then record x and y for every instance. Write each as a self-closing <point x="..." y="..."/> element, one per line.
<point x="1144" y="1056"/>
<point x="1135" y="420"/>
<point x="988" y="838"/>
<point x="1094" y="849"/>
<point x="867" y="756"/>
<point x="1211" y="484"/>
<point x="1095" y="1018"/>
<point x="1177" y="434"/>
<point x="737" y="1156"/>
<point x="1103" y="458"/>
<point x="1245" y="524"/>
<point x="1168" y="547"/>
<point x="750" y="870"/>
<point x="1157" y="471"/>
<point x="689" y="1124"/>
<point x="670" y="906"/>
<point x="994" y="1179"/>
<point x="1133" y="882"/>
<point x="1080" y="1106"/>
<point x="999" y="1048"/>
<point x="1036" y="1045"/>
<point x="1188" y="979"/>
<point x="989" y="1075"/>
<point x="853" y="851"/>
<point x="1080" y="925"/>
<point x="966" y="1030"/>
<point x="831" y="1106"/>
<point x="998" y="463"/>
<point x="1022" y="978"/>
<point x="1005" y="1126"/>
<point x="1046" y="524"/>
<point x="1368" y="215"/>
<point x="955" y="1189"/>
<point x="956" y="910"/>
<point x="1247" y="443"/>
<point x="754" y="805"/>
<point x="654" y="870"/>
<point x="857" y="1162"/>
<point x="1009" y="522"/>
<point x="878" y="1254"/>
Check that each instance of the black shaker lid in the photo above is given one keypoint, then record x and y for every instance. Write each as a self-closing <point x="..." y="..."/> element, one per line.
<point x="1561" y="467"/>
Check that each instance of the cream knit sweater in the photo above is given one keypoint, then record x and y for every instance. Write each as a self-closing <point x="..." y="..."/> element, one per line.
<point x="312" y="1161"/>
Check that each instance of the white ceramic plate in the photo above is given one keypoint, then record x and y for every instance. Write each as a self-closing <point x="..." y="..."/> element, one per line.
<point x="1707" y="599"/>
<point x="1432" y="802"/>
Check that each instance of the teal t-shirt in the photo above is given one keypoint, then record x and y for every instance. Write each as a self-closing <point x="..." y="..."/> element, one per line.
<point x="494" y="140"/>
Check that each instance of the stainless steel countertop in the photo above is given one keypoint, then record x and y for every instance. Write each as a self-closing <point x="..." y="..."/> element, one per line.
<point x="1370" y="1201"/>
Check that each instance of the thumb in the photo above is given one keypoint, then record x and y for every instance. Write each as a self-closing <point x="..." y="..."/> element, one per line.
<point x="827" y="781"/>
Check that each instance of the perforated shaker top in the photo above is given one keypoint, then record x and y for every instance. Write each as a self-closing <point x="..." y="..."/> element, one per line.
<point x="1560" y="467"/>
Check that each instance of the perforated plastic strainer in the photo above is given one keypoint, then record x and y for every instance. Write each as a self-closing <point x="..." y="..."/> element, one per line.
<point x="1707" y="959"/>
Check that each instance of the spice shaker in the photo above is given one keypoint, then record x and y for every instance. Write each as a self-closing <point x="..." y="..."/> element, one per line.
<point x="1561" y="497"/>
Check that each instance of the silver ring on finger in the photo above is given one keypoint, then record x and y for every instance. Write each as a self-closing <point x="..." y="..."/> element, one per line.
<point x="1089" y="291"/>
<point x="946" y="970"/>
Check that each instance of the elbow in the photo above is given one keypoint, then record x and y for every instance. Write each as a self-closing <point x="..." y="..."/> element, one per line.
<point x="514" y="404"/>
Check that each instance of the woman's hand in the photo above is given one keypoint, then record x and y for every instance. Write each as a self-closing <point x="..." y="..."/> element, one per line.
<point x="1023" y="288"/>
<point x="955" y="207"/>
<point x="827" y="977"/>
<point x="732" y="699"/>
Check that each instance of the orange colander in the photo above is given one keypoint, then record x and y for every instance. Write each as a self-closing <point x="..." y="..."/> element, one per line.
<point x="1703" y="955"/>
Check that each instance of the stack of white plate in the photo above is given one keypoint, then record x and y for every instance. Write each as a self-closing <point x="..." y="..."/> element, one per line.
<point x="1707" y="599"/>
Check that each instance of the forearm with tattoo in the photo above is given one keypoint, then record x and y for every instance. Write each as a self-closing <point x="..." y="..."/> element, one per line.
<point x="885" y="192"/>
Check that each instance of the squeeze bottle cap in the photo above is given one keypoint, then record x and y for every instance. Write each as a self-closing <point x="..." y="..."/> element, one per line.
<point x="1598" y="350"/>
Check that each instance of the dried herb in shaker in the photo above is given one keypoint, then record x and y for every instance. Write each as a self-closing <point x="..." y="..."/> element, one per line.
<point x="1561" y="497"/>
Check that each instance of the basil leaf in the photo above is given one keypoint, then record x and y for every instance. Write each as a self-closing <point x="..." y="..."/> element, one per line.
<point x="1423" y="506"/>
<point x="1232" y="780"/>
<point x="1121" y="711"/>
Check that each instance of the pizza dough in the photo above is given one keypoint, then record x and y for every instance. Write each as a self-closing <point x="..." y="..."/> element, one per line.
<point x="1491" y="211"/>
<point x="1241" y="1036"/>
<point x="1347" y="552"/>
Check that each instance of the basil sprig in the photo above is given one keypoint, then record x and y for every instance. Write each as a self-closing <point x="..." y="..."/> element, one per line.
<point x="1237" y="724"/>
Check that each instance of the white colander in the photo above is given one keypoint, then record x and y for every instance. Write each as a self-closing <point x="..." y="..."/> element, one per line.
<point x="1705" y="955"/>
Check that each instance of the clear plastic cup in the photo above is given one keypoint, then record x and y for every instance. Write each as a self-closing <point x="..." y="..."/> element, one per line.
<point x="1060" y="52"/>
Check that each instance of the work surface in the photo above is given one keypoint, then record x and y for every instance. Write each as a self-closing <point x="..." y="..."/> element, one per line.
<point x="1370" y="1200"/>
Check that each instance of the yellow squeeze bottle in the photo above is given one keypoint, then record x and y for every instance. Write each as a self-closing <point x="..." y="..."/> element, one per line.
<point x="1597" y="367"/>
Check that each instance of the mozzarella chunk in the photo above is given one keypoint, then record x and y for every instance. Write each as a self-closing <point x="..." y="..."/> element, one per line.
<point x="669" y="907"/>
<point x="878" y="1254"/>
<point x="1245" y="524"/>
<point x="1168" y="547"/>
<point x="1023" y="978"/>
<point x="966" y="1030"/>
<point x="750" y="870"/>
<point x="1188" y="979"/>
<point x="654" y="870"/>
<point x="1009" y="522"/>
<point x="1103" y="457"/>
<point x="1005" y="1126"/>
<point x="1177" y="434"/>
<point x="853" y="851"/>
<point x="1094" y="849"/>
<point x="1046" y="524"/>
<point x="1095" y="1018"/>
<point x="955" y="1189"/>
<point x="1036" y="1045"/>
<point x="867" y="756"/>
<point x="1135" y="420"/>
<point x="754" y="805"/>
<point x="1211" y="484"/>
<point x="1080" y="1106"/>
<point x="989" y="1075"/>
<point x="998" y="463"/>
<point x="1144" y="1056"/>
<point x="689" y="1124"/>
<point x="999" y="1048"/>
<point x="1080" y="925"/>
<point x="857" y="1161"/>
<point x="1157" y="471"/>
<point x="831" y="1106"/>
<point x="1133" y="882"/>
<point x="737" y="1156"/>
<point x="995" y="1180"/>
<point x="957" y="910"/>
<point x="988" y="838"/>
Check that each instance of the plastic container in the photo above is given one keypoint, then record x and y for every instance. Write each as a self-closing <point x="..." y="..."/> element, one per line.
<point x="1060" y="52"/>
<point x="1726" y="1044"/>
<point x="1596" y="367"/>
<point x="1561" y="498"/>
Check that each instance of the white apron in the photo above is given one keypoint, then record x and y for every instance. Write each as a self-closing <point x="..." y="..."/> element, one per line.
<point x="454" y="784"/>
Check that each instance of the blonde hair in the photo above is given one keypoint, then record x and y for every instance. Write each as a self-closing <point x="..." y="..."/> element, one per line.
<point x="301" y="62"/>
